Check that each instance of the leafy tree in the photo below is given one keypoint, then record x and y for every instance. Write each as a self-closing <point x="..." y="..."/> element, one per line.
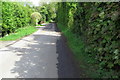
<point x="47" y="11"/>
<point x="36" y="17"/>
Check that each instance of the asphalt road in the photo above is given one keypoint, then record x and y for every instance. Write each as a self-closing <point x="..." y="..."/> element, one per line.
<point x="44" y="54"/>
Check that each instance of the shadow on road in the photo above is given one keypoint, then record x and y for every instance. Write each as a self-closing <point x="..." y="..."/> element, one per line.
<point x="37" y="60"/>
<point x="47" y="56"/>
<point x="66" y="65"/>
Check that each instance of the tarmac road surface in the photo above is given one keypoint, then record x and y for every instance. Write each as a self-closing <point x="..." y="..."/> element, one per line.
<point x="42" y="54"/>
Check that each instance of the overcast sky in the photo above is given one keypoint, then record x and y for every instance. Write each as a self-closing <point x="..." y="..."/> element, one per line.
<point x="36" y="2"/>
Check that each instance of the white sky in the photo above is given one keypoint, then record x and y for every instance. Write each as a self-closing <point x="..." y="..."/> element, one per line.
<point x="35" y="2"/>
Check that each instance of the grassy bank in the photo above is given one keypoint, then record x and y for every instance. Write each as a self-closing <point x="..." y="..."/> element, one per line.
<point x="21" y="32"/>
<point x="88" y="64"/>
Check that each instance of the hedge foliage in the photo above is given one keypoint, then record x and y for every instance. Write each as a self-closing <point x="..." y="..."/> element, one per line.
<point x="98" y="23"/>
<point x="15" y="15"/>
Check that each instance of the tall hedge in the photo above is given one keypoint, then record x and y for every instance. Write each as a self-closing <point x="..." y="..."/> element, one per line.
<point x="98" y="23"/>
<point x="14" y="15"/>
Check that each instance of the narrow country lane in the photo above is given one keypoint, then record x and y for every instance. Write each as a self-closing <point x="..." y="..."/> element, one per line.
<point x="43" y="54"/>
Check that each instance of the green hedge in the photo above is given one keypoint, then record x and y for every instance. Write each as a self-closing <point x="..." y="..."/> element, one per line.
<point x="98" y="24"/>
<point x="15" y="15"/>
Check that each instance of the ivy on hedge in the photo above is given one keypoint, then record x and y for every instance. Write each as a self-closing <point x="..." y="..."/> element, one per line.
<point x="99" y="24"/>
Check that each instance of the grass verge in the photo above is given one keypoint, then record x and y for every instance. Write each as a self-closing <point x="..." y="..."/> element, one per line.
<point x="21" y="32"/>
<point x="88" y="64"/>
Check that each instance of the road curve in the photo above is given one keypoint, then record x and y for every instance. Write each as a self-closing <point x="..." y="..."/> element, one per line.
<point x="43" y="54"/>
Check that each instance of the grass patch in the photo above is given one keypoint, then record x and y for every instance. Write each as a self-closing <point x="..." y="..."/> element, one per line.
<point x="21" y="32"/>
<point x="88" y="64"/>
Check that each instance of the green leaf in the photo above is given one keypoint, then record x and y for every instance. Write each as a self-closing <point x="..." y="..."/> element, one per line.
<point x="110" y="65"/>
<point x="116" y="51"/>
<point x="102" y="14"/>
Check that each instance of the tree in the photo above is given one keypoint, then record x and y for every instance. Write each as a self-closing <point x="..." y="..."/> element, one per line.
<point x="36" y="17"/>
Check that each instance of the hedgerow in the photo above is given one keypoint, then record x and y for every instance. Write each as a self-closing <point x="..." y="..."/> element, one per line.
<point x="14" y="15"/>
<point x="98" y="24"/>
